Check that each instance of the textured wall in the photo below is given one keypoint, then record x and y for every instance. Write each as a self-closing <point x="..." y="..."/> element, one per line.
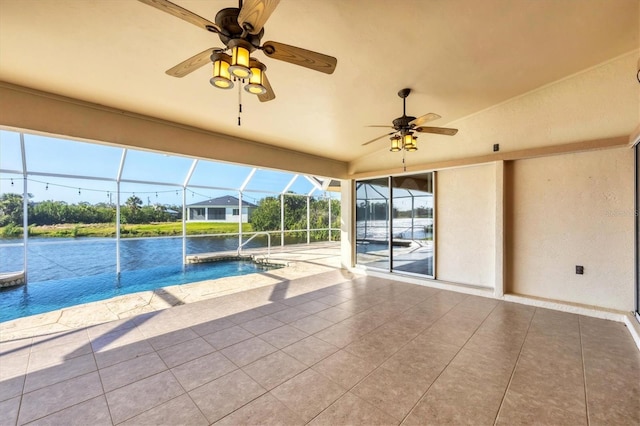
<point x="465" y="225"/>
<point x="570" y="210"/>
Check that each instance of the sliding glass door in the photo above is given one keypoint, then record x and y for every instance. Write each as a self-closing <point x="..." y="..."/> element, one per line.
<point x="395" y="224"/>
<point x="372" y="223"/>
<point x="412" y="224"/>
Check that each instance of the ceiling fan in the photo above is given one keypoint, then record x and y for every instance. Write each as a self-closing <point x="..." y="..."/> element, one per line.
<point x="404" y="127"/>
<point x="240" y="30"/>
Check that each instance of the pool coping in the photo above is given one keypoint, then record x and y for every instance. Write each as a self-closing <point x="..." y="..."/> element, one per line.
<point x="300" y="260"/>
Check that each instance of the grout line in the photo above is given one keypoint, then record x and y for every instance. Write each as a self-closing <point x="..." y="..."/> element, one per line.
<point x="452" y="358"/>
<point x="515" y="366"/>
<point x="584" y="370"/>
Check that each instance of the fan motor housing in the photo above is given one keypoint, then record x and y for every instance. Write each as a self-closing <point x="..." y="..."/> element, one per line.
<point x="227" y="19"/>
<point x="402" y="122"/>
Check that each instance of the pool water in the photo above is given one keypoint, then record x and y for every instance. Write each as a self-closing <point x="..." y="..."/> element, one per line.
<point x="40" y="297"/>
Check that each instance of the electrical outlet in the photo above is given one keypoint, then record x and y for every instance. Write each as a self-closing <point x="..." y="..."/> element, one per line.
<point x="496" y="147"/>
<point x="579" y="269"/>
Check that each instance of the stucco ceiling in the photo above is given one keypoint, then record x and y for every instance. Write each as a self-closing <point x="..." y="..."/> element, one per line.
<point x="458" y="57"/>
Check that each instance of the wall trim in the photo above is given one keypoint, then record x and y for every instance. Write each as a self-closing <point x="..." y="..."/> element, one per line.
<point x="574" y="147"/>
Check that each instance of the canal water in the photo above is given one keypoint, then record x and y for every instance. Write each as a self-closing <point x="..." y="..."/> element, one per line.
<point x="64" y="272"/>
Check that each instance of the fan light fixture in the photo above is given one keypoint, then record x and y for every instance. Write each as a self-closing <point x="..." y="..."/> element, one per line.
<point x="240" y="58"/>
<point x="407" y="141"/>
<point x="221" y="76"/>
<point x="256" y="85"/>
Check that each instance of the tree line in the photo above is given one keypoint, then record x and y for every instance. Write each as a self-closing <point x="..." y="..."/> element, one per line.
<point x="60" y="212"/>
<point x="265" y="217"/>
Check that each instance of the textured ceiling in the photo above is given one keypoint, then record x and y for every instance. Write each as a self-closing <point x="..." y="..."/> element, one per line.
<point x="458" y="57"/>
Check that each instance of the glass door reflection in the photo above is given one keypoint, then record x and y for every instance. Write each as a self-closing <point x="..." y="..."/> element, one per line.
<point x="412" y="224"/>
<point x="372" y="223"/>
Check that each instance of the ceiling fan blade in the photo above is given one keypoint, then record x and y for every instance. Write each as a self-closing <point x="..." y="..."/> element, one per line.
<point x="378" y="138"/>
<point x="437" y="130"/>
<point x="269" y="95"/>
<point x="424" y="119"/>
<point x="386" y="127"/>
<point x="254" y="14"/>
<point x="191" y="64"/>
<point x="182" y="13"/>
<point x="298" y="56"/>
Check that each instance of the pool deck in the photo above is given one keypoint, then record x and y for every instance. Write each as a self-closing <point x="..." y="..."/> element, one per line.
<point x="301" y="261"/>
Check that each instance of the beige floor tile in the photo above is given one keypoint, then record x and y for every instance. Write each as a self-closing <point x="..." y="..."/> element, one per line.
<point x="283" y="336"/>
<point x="331" y="300"/>
<point x="9" y="411"/>
<point x="334" y="314"/>
<point x="486" y="368"/>
<point x="178" y="411"/>
<point x="313" y="307"/>
<point x="265" y="410"/>
<point x="55" y="356"/>
<point x="271" y="308"/>
<point x="93" y="412"/>
<point x="392" y="392"/>
<point x="310" y="350"/>
<point x="71" y="340"/>
<point x="308" y="394"/>
<point x="227" y="337"/>
<point x="13" y="365"/>
<point x="119" y="354"/>
<point x="203" y="370"/>
<point x="49" y="375"/>
<point x="59" y="396"/>
<point x="184" y="352"/>
<point x="458" y="399"/>
<point x="131" y="371"/>
<point x="289" y="315"/>
<point x="339" y="335"/>
<point x="245" y="315"/>
<point x="140" y="396"/>
<point x="426" y="361"/>
<point x="224" y="395"/>
<point x="261" y="325"/>
<point x="344" y="368"/>
<point x="311" y="324"/>
<point x="518" y="409"/>
<point x="351" y="410"/>
<point x="212" y="326"/>
<point x="172" y="338"/>
<point x="11" y="387"/>
<point x="274" y="369"/>
<point x="248" y="351"/>
<point x="116" y="338"/>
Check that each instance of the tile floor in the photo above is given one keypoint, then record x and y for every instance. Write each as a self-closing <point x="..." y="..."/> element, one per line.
<point x="328" y="350"/>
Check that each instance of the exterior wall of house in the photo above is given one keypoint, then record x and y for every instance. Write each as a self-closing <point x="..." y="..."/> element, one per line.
<point x="205" y="214"/>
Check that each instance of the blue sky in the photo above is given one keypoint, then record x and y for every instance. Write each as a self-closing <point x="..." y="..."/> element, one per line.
<point x="65" y="157"/>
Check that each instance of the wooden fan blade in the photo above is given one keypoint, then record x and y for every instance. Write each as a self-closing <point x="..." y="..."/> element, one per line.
<point x="298" y="56"/>
<point x="191" y="64"/>
<point x="175" y="10"/>
<point x="269" y="95"/>
<point x="386" y="127"/>
<point x="437" y="130"/>
<point x="254" y="14"/>
<point x="378" y="138"/>
<point x="424" y="119"/>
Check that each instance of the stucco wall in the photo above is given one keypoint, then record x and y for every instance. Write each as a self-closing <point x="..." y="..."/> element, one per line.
<point x="465" y="225"/>
<point x="569" y="210"/>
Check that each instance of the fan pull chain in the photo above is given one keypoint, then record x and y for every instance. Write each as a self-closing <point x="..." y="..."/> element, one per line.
<point x="239" y="104"/>
<point x="404" y="163"/>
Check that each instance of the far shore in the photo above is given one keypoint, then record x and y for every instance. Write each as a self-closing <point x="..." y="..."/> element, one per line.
<point x="126" y="230"/>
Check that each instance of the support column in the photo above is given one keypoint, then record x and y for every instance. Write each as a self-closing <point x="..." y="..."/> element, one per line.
<point x="240" y="218"/>
<point x="347" y="236"/>
<point x="308" y="220"/>
<point x="282" y="220"/>
<point x="184" y="225"/>
<point x="25" y="207"/>
<point x="330" y="218"/>
<point x="499" y="286"/>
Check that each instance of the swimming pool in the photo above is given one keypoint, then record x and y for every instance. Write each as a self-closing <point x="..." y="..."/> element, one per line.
<point x="40" y="297"/>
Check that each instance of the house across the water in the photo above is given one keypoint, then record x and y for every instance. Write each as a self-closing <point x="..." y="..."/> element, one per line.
<point x="221" y="209"/>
